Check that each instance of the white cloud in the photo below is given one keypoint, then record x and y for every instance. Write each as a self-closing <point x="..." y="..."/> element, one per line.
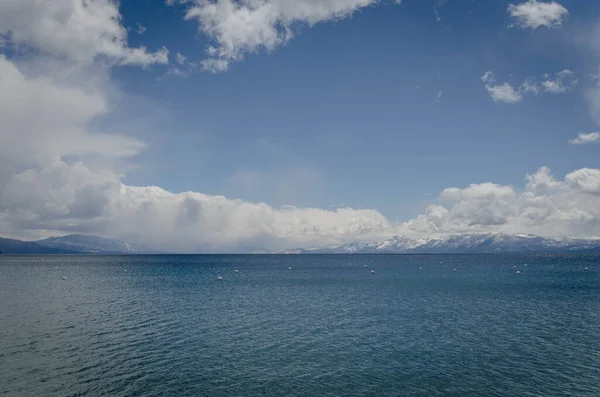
<point x="241" y="27"/>
<point x="546" y="206"/>
<point x="180" y="58"/>
<point x="439" y="96"/>
<point x="42" y="118"/>
<point x="50" y="98"/>
<point x="529" y="86"/>
<point x="563" y="81"/>
<point x="484" y="191"/>
<point x="585" y="179"/>
<point x="533" y="14"/>
<point x="488" y="77"/>
<point x="215" y="65"/>
<point x="73" y="198"/>
<point x="58" y="196"/>
<point x="77" y="30"/>
<point x="500" y="92"/>
<point x="504" y="93"/>
<point x="585" y="138"/>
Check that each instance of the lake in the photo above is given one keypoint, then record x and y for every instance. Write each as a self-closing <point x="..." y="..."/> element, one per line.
<point x="300" y="325"/>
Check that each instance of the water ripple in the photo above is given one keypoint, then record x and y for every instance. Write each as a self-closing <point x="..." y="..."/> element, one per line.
<point x="167" y="327"/>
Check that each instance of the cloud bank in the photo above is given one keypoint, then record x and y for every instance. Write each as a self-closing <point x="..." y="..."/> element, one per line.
<point x="73" y="198"/>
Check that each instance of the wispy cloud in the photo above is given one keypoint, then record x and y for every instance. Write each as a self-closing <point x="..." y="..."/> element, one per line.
<point x="437" y="7"/>
<point x="560" y="83"/>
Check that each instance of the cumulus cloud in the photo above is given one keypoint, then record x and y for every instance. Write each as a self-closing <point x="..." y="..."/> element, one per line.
<point x="561" y="82"/>
<point x="77" y="30"/>
<point x="545" y="206"/>
<point x="241" y="27"/>
<point x="43" y="119"/>
<point x="51" y="97"/>
<point x="57" y="196"/>
<point x="533" y="14"/>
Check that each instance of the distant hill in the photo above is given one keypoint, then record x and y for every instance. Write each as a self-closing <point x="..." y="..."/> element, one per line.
<point x="72" y="244"/>
<point x="483" y="243"/>
<point x="10" y="246"/>
<point x="91" y="244"/>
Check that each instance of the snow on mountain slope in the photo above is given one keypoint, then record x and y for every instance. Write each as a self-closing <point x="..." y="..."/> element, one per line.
<point x="462" y="243"/>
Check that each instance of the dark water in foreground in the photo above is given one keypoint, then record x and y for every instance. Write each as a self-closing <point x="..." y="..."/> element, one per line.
<point x="164" y="326"/>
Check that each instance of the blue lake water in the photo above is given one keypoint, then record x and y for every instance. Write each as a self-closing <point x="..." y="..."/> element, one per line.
<point x="165" y="326"/>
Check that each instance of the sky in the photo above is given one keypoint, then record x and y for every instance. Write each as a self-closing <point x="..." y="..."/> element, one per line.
<point x="250" y="125"/>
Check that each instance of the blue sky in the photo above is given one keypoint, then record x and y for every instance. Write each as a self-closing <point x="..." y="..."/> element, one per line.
<point x="353" y="104"/>
<point x="380" y="109"/>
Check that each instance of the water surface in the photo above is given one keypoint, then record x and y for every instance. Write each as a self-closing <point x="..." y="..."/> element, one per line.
<point x="165" y="326"/>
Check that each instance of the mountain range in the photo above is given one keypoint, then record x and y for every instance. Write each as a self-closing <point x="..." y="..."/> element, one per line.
<point x="483" y="243"/>
<point x="72" y="244"/>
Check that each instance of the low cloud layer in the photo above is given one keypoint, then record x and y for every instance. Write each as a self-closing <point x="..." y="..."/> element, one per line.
<point x="73" y="198"/>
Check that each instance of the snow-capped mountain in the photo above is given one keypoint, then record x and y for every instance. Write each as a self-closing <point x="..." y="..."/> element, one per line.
<point x="396" y="244"/>
<point x="460" y="243"/>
